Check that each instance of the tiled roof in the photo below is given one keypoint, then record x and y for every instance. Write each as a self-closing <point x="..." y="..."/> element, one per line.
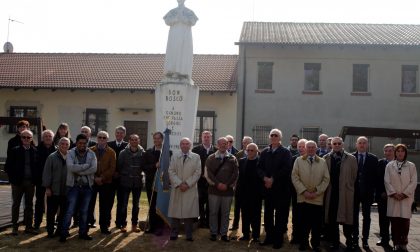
<point x="330" y="34"/>
<point x="212" y="73"/>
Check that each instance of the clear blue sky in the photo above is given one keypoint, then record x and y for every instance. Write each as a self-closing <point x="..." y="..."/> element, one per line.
<point x="136" y="26"/>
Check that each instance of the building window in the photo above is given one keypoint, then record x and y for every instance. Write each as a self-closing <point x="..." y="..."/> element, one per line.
<point x="360" y="77"/>
<point x="96" y="119"/>
<point x="205" y="121"/>
<point x="409" y="78"/>
<point x="260" y="134"/>
<point x="312" y="71"/>
<point x="310" y="133"/>
<point x="24" y="112"/>
<point x="265" y="75"/>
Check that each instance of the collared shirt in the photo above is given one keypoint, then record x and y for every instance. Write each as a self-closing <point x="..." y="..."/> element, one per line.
<point x="220" y="155"/>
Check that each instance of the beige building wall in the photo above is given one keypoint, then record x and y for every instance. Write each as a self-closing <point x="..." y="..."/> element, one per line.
<point x="289" y="108"/>
<point x="66" y="106"/>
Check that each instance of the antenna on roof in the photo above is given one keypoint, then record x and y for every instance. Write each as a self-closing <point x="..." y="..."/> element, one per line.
<point x="8" y="47"/>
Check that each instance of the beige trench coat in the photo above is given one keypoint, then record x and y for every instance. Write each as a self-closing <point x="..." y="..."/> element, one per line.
<point x="184" y="204"/>
<point x="405" y="183"/>
<point x="348" y="175"/>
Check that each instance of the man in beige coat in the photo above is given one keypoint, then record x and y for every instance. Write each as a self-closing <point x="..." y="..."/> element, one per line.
<point x="184" y="172"/>
<point x="339" y="196"/>
<point x="310" y="177"/>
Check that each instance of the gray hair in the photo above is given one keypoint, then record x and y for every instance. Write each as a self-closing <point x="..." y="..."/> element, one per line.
<point x="278" y="132"/>
<point x="47" y="131"/>
<point x="27" y="131"/>
<point x="187" y="139"/>
<point x="122" y="128"/>
<point x="248" y="138"/>
<point x="310" y="142"/>
<point x="63" y="139"/>
<point x="102" y="132"/>
<point x="302" y="140"/>
<point x="87" y="128"/>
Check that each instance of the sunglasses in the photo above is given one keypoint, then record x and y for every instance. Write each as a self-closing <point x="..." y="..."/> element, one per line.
<point x="101" y="137"/>
<point x="274" y="135"/>
<point x="26" y="137"/>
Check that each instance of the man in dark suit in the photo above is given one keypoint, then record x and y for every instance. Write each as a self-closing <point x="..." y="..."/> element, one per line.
<point x="322" y="145"/>
<point x="274" y="169"/>
<point x="117" y="145"/>
<point x="16" y="141"/>
<point x="364" y="189"/>
<point x="21" y="167"/>
<point x="382" y="197"/>
<point x="150" y="166"/>
<point x="205" y="149"/>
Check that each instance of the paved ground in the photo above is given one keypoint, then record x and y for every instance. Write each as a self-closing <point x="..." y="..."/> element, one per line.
<point x="144" y="242"/>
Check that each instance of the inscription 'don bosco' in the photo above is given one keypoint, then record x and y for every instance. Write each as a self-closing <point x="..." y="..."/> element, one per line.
<point x="174" y="96"/>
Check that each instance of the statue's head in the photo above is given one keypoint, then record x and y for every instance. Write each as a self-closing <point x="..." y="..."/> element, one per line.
<point x="181" y="2"/>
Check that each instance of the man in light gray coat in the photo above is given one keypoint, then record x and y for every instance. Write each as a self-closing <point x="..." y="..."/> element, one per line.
<point x="184" y="172"/>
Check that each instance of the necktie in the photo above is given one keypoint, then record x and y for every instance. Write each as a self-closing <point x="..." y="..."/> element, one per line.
<point x="118" y="145"/>
<point x="311" y="159"/>
<point x="185" y="157"/>
<point x="360" y="164"/>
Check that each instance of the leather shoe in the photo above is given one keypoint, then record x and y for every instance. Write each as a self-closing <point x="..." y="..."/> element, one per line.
<point x="225" y="238"/>
<point x="244" y="238"/>
<point x="189" y="239"/>
<point x="63" y="238"/>
<point x="334" y="246"/>
<point x="365" y="245"/>
<point x="255" y="240"/>
<point x="213" y="237"/>
<point x="303" y="247"/>
<point x="123" y="229"/>
<point x="85" y="237"/>
<point x="93" y="225"/>
<point x="105" y="231"/>
<point x="316" y="249"/>
<point x="173" y="238"/>
<point x="383" y="243"/>
<point x="277" y="245"/>
<point x="31" y="230"/>
<point x="266" y="242"/>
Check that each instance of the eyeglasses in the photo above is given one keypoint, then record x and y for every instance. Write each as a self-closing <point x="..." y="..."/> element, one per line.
<point x="101" y="137"/>
<point x="336" y="143"/>
<point x="26" y="137"/>
<point x="274" y="135"/>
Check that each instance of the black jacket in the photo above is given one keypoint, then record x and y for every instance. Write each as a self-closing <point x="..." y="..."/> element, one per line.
<point x="113" y="145"/>
<point x="15" y="164"/>
<point x="379" y="179"/>
<point x="249" y="184"/>
<point x="366" y="182"/>
<point x="150" y="158"/>
<point x="276" y="165"/>
<point x="13" y="142"/>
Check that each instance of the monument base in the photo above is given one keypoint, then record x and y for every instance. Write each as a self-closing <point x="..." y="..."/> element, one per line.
<point x="176" y="102"/>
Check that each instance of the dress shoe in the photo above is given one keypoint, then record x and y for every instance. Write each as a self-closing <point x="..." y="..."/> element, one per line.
<point x="277" y="245"/>
<point x="85" y="237"/>
<point x="93" y="225"/>
<point x="159" y="232"/>
<point x="213" y="237"/>
<point x="105" y="231"/>
<point x="225" y="238"/>
<point x="383" y="243"/>
<point x="30" y="230"/>
<point x="190" y="239"/>
<point x="173" y="238"/>
<point x="266" y="242"/>
<point x="365" y="245"/>
<point x="244" y="238"/>
<point x="123" y="229"/>
<point x="63" y="238"/>
<point x="303" y="247"/>
<point x="294" y="241"/>
<point x="255" y="240"/>
<point x="135" y="229"/>
<point x="334" y="246"/>
<point x="149" y="231"/>
<point x="15" y="231"/>
<point x="316" y="249"/>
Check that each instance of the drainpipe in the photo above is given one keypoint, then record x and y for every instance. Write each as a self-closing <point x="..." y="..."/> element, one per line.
<point x="243" y="93"/>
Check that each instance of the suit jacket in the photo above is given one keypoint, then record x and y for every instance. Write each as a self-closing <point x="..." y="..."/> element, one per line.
<point x="277" y="165"/>
<point x="233" y="151"/>
<point x="202" y="152"/>
<point x="365" y="183"/>
<point x="150" y="158"/>
<point x="113" y="145"/>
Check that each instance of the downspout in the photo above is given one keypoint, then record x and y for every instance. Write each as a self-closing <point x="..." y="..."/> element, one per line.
<point x="243" y="93"/>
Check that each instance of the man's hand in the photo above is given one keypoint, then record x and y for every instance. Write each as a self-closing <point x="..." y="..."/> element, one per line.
<point x="158" y="165"/>
<point x="183" y="187"/>
<point x="48" y="192"/>
<point x="221" y="187"/>
<point x="98" y="180"/>
<point x="268" y="182"/>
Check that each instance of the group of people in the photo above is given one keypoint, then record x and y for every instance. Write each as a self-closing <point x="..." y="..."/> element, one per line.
<point x="72" y="174"/>
<point x="325" y="185"/>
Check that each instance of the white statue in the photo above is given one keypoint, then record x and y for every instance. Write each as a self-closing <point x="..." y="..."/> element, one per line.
<point x="179" y="50"/>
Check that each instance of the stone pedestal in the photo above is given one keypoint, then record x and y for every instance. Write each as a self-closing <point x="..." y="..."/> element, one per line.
<point x="176" y="109"/>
